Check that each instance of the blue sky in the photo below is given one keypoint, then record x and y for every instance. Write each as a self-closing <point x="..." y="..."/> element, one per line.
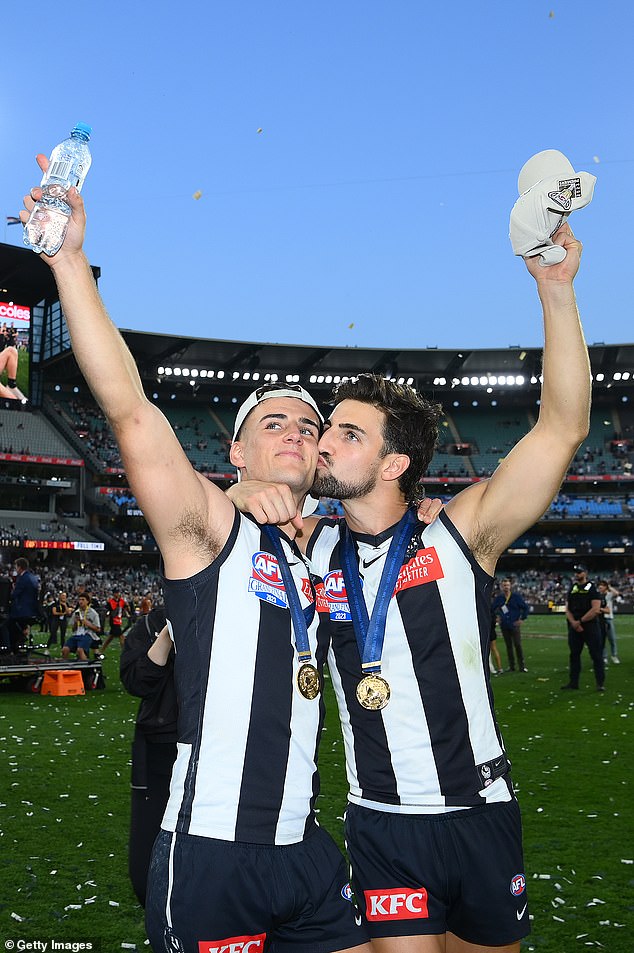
<point x="372" y="208"/>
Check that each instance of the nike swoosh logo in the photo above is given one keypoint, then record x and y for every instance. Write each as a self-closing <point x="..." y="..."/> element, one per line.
<point x="367" y="563"/>
<point x="520" y="913"/>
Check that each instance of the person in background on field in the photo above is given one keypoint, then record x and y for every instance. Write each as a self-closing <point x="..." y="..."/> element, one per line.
<point x="25" y="605"/>
<point x="583" y="610"/>
<point x="511" y="611"/>
<point x="60" y="612"/>
<point x="85" y="625"/>
<point x="146" y="668"/>
<point x="608" y="633"/>
<point x="117" y="609"/>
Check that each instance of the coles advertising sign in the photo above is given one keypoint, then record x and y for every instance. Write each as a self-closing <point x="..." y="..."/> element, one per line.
<point x="17" y="314"/>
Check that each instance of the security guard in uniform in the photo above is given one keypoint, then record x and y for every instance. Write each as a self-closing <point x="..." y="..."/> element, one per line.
<point x="583" y="609"/>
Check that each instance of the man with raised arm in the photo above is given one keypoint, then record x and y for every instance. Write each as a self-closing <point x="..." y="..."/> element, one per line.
<point x="241" y="862"/>
<point x="432" y="827"/>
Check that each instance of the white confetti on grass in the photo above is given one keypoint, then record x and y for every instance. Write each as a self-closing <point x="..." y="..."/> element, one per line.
<point x="16" y="916"/>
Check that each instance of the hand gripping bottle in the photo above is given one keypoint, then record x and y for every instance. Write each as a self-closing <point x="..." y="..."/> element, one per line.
<point x="68" y="166"/>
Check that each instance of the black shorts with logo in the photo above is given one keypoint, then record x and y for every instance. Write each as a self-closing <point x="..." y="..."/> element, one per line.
<point x="419" y="874"/>
<point x="214" y="896"/>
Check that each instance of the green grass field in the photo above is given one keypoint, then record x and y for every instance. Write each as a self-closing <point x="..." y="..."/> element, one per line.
<point x="64" y="798"/>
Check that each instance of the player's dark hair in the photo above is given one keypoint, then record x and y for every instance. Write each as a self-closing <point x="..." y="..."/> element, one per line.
<point x="410" y="423"/>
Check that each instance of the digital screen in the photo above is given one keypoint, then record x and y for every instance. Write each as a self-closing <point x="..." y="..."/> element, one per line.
<point x="15" y="330"/>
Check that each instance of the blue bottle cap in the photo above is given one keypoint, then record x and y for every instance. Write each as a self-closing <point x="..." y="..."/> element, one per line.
<point x="83" y="129"/>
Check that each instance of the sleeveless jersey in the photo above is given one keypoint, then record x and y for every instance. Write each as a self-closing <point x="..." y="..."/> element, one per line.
<point x="436" y="745"/>
<point x="246" y="768"/>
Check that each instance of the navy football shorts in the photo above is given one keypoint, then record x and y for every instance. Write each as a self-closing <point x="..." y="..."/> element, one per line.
<point x="419" y="874"/>
<point x="214" y="896"/>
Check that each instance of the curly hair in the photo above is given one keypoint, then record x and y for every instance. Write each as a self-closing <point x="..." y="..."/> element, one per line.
<point x="410" y="423"/>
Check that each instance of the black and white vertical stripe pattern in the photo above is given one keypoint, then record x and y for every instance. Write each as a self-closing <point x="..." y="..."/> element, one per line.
<point x="428" y="749"/>
<point x="246" y="767"/>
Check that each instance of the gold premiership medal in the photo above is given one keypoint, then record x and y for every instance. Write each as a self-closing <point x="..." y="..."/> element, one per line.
<point x="308" y="681"/>
<point x="373" y="692"/>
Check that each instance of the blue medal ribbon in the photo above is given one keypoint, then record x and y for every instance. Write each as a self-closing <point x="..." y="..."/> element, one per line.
<point x="370" y="632"/>
<point x="301" y="618"/>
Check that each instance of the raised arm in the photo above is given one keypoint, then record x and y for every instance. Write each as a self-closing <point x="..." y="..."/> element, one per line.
<point x="491" y="514"/>
<point x="189" y="517"/>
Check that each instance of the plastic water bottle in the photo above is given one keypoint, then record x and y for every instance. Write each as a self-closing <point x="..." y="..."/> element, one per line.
<point x="68" y="166"/>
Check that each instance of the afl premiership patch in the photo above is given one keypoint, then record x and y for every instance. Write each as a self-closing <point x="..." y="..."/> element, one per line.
<point x="266" y="581"/>
<point x="337" y="596"/>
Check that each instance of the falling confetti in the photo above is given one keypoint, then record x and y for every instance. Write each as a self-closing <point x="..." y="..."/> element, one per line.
<point x="351" y="325"/>
<point x="260" y="129"/>
<point x="596" y="159"/>
<point x="197" y="195"/>
<point x="551" y="15"/>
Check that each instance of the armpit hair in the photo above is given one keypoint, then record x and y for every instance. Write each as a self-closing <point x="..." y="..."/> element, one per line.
<point x="192" y="526"/>
<point x="484" y="541"/>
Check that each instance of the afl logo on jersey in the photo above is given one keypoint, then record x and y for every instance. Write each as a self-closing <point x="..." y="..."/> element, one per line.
<point x="335" y="592"/>
<point x="518" y="885"/>
<point x="266" y="579"/>
<point x="335" y="587"/>
<point x="346" y="892"/>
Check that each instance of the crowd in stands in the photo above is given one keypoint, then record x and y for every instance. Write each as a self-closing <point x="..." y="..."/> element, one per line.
<point x="208" y="449"/>
<point x="536" y="585"/>
<point x="135" y="583"/>
<point x="549" y="587"/>
<point x="50" y="529"/>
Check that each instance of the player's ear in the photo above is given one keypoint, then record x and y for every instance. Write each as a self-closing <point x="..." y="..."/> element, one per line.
<point x="394" y="466"/>
<point x="236" y="454"/>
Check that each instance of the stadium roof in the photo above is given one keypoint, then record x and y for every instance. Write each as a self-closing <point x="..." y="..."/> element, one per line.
<point x="25" y="278"/>
<point x="186" y="364"/>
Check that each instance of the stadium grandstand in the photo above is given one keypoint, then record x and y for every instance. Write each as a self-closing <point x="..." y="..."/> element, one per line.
<point x="64" y="500"/>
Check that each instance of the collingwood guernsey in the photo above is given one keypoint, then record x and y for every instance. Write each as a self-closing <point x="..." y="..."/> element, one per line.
<point x="436" y="745"/>
<point x="246" y="768"/>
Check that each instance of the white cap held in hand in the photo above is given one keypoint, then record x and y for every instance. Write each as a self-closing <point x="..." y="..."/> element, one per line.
<point x="550" y="190"/>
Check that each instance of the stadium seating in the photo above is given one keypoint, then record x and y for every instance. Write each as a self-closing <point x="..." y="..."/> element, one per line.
<point x="30" y="433"/>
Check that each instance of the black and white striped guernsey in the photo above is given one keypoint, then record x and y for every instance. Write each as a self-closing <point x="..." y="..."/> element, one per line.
<point x="246" y="768"/>
<point x="436" y="745"/>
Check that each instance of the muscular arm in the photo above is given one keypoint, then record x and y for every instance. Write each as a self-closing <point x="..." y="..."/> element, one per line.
<point x="189" y="517"/>
<point x="491" y="514"/>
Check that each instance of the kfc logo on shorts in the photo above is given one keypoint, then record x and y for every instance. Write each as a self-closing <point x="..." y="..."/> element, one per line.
<point x="518" y="885"/>
<point x="399" y="904"/>
<point x="233" y="944"/>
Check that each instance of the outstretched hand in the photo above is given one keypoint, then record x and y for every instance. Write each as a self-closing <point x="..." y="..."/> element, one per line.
<point x="74" y="238"/>
<point x="566" y="270"/>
